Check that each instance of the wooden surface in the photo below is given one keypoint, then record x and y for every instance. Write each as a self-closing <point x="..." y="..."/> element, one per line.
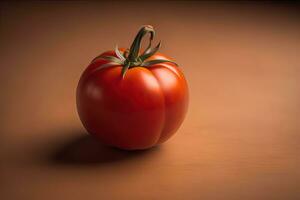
<point x="240" y="139"/>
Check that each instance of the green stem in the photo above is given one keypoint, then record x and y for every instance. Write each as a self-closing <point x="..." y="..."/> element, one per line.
<point x="134" y="57"/>
<point x="136" y="44"/>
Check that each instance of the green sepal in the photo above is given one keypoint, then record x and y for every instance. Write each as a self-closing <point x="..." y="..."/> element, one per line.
<point x="125" y="68"/>
<point x="107" y="65"/>
<point x="119" y="54"/>
<point x="158" y="61"/>
<point x="112" y="59"/>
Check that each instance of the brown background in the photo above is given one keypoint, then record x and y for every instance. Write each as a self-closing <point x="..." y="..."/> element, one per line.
<point x="240" y="139"/>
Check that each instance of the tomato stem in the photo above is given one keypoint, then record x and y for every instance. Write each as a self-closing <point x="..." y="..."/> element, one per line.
<point x="136" y="44"/>
<point x="132" y="57"/>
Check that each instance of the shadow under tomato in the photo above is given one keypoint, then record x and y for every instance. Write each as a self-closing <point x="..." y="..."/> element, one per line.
<point x="86" y="150"/>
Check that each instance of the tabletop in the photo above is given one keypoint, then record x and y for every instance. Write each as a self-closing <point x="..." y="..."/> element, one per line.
<point x="241" y="135"/>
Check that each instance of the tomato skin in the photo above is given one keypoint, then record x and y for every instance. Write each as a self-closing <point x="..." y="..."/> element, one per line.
<point x="140" y="110"/>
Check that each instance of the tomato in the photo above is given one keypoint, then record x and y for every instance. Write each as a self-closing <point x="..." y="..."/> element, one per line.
<point x="132" y="100"/>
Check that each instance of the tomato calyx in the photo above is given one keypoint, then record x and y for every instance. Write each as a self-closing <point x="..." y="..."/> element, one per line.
<point x="131" y="57"/>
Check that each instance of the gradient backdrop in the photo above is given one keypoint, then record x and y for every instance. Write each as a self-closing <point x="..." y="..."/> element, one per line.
<point x="240" y="139"/>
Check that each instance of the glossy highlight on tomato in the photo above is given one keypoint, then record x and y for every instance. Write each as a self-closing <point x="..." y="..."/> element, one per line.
<point x="132" y="100"/>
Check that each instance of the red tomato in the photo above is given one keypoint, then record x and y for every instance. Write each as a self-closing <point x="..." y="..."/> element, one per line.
<point x="130" y="101"/>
